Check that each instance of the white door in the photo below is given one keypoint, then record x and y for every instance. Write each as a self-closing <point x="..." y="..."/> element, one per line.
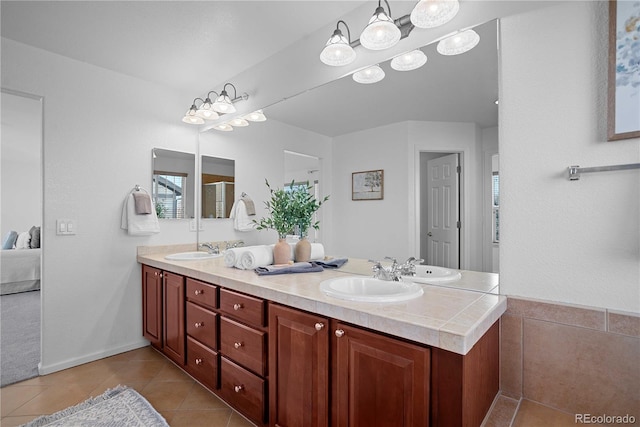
<point x="443" y="214"/>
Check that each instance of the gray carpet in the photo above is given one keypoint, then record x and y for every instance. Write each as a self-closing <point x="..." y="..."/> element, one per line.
<point x="19" y="337"/>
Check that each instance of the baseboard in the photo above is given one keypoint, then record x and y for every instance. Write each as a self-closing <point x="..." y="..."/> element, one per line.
<point x="70" y="363"/>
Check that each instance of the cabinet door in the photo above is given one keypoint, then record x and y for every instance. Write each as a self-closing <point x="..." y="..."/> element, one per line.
<point x="174" y="337"/>
<point x="152" y="305"/>
<point x="378" y="380"/>
<point x="298" y="368"/>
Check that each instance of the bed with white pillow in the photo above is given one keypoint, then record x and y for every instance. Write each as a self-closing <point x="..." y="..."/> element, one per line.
<point x="20" y="262"/>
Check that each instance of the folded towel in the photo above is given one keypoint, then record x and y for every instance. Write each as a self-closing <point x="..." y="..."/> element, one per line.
<point x="142" y="203"/>
<point x="232" y="256"/>
<point x="249" y="205"/>
<point x="332" y="263"/>
<point x="138" y="225"/>
<point x="256" y="256"/>
<point x="241" y="221"/>
<point x="296" y="267"/>
<point x="317" y="252"/>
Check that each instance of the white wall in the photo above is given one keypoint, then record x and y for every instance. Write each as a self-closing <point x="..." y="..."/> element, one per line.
<point x="568" y="241"/>
<point x="21" y="163"/>
<point x="92" y="159"/>
<point x="490" y="251"/>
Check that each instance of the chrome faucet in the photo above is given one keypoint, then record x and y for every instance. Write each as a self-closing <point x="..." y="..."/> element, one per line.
<point x="210" y="248"/>
<point x="409" y="266"/>
<point x="391" y="273"/>
<point x="230" y="245"/>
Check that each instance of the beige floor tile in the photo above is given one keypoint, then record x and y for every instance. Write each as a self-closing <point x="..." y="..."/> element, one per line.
<point x="238" y="420"/>
<point x="164" y="395"/>
<point x="15" y="421"/>
<point x="55" y="399"/>
<point x="502" y="412"/>
<point x="207" y="418"/>
<point x="532" y="414"/>
<point x="201" y="398"/>
<point x="14" y="396"/>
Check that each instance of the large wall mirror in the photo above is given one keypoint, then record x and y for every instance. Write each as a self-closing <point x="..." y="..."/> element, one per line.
<point x="218" y="187"/>
<point x="460" y="91"/>
<point x="173" y="184"/>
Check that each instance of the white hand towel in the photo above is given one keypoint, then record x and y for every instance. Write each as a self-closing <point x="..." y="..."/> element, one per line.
<point x="138" y="225"/>
<point x="232" y="256"/>
<point x="256" y="256"/>
<point x="241" y="221"/>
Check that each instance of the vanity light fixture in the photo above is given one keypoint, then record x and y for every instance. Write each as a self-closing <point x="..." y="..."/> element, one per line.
<point x="369" y="75"/>
<point x="458" y="43"/>
<point x="223" y="102"/>
<point x="381" y="32"/>
<point x="239" y="122"/>
<point x="206" y="111"/>
<point x="191" y="116"/>
<point x="225" y="127"/>
<point x="338" y="50"/>
<point x="433" y="13"/>
<point x="256" y="116"/>
<point x="409" y="61"/>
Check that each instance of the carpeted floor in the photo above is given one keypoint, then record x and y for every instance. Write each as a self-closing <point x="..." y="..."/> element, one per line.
<point x="19" y="336"/>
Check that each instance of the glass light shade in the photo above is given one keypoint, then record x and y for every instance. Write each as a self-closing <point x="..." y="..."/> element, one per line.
<point x="458" y="43"/>
<point x="206" y="112"/>
<point x="225" y="127"/>
<point x="256" y="116"/>
<point x="409" y="61"/>
<point x="239" y="122"/>
<point x="433" y="13"/>
<point x="381" y="32"/>
<point x="337" y="51"/>
<point x="223" y="104"/>
<point x="191" y="117"/>
<point x="369" y="75"/>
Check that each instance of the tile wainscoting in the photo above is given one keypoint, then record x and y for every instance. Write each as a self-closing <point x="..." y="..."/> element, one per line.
<point x="576" y="359"/>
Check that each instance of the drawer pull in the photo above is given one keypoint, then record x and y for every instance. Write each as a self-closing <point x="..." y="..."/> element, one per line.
<point x="199" y="324"/>
<point x="198" y="361"/>
<point x="339" y="333"/>
<point x="198" y="292"/>
<point x="319" y="326"/>
<point x="238" y="388"/>
<point x="237" y="345"/>
<point x="237" y="306"/>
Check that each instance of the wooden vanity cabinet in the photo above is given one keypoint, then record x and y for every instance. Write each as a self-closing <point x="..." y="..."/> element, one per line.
<point x="298" y="368"/>
<point x="173" y="316"/>
<point x="378" y="380"/>
<point x="152" y="305"/>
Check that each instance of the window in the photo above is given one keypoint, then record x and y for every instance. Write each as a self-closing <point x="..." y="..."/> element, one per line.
<point x="315" y="189"/>
<point x="495" y="190"/>
<point x="168" y="194"/>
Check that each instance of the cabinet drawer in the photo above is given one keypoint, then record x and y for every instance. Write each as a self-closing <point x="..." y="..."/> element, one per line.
<point x="243" y="307"/>
<point x="243" y="390"/>
<point x="244" y="345"/>
<point x="202" y="325"/>
<point x="202" y="293"/>
<point x="202" y="363"/>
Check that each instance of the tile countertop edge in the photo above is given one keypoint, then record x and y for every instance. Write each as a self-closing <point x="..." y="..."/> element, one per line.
<point x="457" y="341"/>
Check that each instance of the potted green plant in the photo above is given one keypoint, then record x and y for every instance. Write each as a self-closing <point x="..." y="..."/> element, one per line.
<point x="280" y="219"/>
<point x="303" y="206"/>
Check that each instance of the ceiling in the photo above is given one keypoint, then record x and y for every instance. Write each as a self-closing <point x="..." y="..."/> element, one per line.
<point x="191" y="46"/>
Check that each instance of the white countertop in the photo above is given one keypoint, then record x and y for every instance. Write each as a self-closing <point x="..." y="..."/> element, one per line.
<point x="452" y="317"/>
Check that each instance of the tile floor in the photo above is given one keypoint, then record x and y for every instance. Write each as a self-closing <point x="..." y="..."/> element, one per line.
<point x="180" y="400"/>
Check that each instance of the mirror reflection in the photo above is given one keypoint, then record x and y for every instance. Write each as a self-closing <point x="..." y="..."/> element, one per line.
<point x="446" y="107"/>
<point x="173" y="184"/>
<point x="218" y="187"/>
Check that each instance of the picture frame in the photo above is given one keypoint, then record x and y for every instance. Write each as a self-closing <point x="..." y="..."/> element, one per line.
<point x="367" y="185"/>
<point x="624" y="71"/>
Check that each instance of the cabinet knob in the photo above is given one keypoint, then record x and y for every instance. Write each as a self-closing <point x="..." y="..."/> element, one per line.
<point x="319" y="326"/>
<point x="237" y="306"/>
<point x="237" y="344"/>
<point x="198" y="292"/>
<point x="238" y="388"/>
<point x="199" y="324"/>
<point x="339" y="333"/>
<point x="198" y="361"/>
<point x="155" y="274"/>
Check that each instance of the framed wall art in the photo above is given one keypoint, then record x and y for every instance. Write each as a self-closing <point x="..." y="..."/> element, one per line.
<point x="367" y="185"/>
<point x="624" y="70"/>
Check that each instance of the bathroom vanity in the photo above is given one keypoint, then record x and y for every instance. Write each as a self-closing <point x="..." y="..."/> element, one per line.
<point x="282" y="353"/>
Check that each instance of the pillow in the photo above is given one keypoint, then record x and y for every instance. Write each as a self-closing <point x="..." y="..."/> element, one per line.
<point x="34" y="232"/>
<point x="22" y="242"/>
<point x="9" y="240"/>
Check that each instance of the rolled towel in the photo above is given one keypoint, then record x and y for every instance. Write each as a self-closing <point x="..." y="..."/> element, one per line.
<point x="142" y="203"/>
<point x="256" y="256"/>
<point x="317" y="251"/>
<point x="232" y="256"/>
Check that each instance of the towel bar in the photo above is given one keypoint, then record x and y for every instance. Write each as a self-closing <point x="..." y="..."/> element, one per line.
<point x="575" y="171"/>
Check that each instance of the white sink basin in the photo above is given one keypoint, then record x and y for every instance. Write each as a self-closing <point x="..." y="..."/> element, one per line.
<point x="190" y="256"/>
<point x="368" y="289"/>
<point x="433" y="274"/>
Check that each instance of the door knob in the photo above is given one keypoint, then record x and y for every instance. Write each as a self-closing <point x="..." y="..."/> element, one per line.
<point x="319" y="326"/>
<point x="339" y="333"/>
<point x="429" y="234"/>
